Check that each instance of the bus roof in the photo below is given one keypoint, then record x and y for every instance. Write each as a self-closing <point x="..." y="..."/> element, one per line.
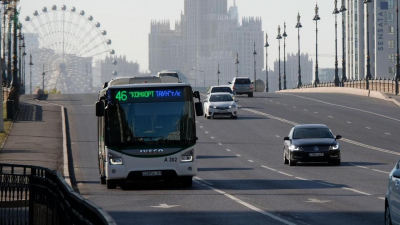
<point x="144" y="85"/>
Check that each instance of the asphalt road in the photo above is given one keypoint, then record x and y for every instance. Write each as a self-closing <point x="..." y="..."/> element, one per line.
<point x="242" y="178"/>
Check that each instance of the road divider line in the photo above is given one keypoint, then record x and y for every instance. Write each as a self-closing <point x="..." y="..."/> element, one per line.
<point x="228" y="150"/>
<point x="219" y="143"/>
<point x="269" y="168"/>
<point x="199" y="180"/>
<point x="286" y="174"/>
<point x="382" y="198"/>
<point x="380" y="171"/>
<point x="238" y="155"/>
<point x="212" y="137"/>
<point x="343" y="139"/>
<point x="299" y="178"/>
<point x="358" y="166"/>
<point x="356" y="191"/>
<point x="250" y="161"/>
<point x="342" y="106"/>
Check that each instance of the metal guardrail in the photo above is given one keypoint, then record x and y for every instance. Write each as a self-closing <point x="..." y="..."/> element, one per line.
<point x="37" y="195"/>
<point x="382" y="85"/>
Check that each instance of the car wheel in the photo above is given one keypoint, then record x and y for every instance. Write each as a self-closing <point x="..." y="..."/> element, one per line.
<point x="388" y="219"/>
<point x="250" y="95"/>
<point x="187" y="182"/>
<point x="234" y="117"/>
<point x="336" y="162"/>
<point x="291" y="162"/>
<point x="285" y="160"/>
<point x="103" y="180"/>
<point x="111" y="184"/>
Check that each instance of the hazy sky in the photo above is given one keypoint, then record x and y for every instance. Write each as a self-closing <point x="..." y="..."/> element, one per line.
<point x="128" y="22"/>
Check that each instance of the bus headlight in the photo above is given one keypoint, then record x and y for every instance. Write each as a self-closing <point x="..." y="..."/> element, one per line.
<point x="188" y="156"/>
<point x="115" y="160"/>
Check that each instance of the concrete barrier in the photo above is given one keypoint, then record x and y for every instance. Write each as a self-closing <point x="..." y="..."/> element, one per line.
<point x="343" y="90"/>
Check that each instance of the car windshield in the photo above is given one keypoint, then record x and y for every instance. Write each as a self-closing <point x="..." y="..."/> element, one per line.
<point x="221" y="98"/>
<point x="242" y="81"/>
<point x="169" y="75"/>
<point x="221" y="89"/>
<point x="312" y="133"/>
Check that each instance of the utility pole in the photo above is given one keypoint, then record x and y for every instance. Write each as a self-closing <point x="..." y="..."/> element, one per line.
<point x="44" y="73"/>
<point x="255" y="70"/>
<point x="316" y="18"/>
<point x="30" y="74"/>
<point x="218" y="73"/>
<point x="266" y="62"/>
<point x="237" y="64"/>
<point x="343" y="10"/>
<point x="279" y="37"/>
<point x="284" y="56"/>
<point x="298" y="26"/>
<point x="336" y="12"/>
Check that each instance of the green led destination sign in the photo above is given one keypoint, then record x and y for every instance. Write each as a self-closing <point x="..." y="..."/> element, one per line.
<point x="156" y="95"/>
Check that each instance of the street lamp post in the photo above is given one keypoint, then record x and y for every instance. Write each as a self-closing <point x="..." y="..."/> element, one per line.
<point x="336" y="12"/>
<point x="284" y="56"/>
<point x="398" y="53"/>
<point x="368" y="77"/>
<point x="15" y="85"/>
<point x="30" y="73"/>
<point x="218" y="73"/>
<point x="343" y="10"/>
<point x="5" y="3"/>
<point x="43" y="74"/>
<point x="9" y="74"/>
<point x="266" y="63"/>
<point x="316" y="18"/>
<point x="255" y="70"/>
<point x="279" y="37"/>
<point x="20" y="57"/>
<point x="23" y="66"/>
<point x="298" y="26"/>
<point x="237" y="64"/>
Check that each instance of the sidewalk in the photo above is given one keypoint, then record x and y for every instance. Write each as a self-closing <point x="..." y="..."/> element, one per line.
<point x="36" y="136"/>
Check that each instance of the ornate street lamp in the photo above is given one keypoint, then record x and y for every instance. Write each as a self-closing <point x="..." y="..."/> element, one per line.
<point x="343" y="10"/>
<point x="218" y="73"/>
<point x="284" y="55"/>
<point x="237" y="64"/>
<point x="19" y="56"/>
<point x="368" y="76"/>
<point x="15" y="84"/>
<point x="279" y="37"/>
<point x="316" y="18"/>
<point x="23" y="65"/>
<point x="335" y="12"/>
<point x="4" y="77"/>
<point x="255" y="71"/>
<point x="298" y="26"/>
<point x="30" y="74"/>
<point x="266" y="62"/>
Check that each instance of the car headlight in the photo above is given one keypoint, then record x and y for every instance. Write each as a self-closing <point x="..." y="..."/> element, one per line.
<point x="294" y="148"/>
<point x="115" y="160"/>
<point x="213" y="107"/>
<point x="335" y="147"/>
<point x="231" y="106"/>
<point x="188" y="156"/>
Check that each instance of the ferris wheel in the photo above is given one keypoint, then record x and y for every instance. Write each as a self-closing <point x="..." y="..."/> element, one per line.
<point x="66" y="44"/>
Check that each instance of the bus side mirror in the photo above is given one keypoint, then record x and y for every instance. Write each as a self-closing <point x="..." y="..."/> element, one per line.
<point x="100" y="109"/>
<point x="196" y="94"/>
<point x="105" y="85"/>
<point x="199" y="109"/>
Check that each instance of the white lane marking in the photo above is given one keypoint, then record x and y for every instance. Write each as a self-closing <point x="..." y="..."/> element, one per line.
<point x="286" y="174"/>
<point x="269" y="168"/>
<point x="306" y="110"/>
<point x="165" y="206"/>
<point x="278" y="102"/>
<point x="316" y="112"/>
<point x="369" y="128"/>
<point x="270" y="100"/>
<point x="356" y="191"/>
<point x="382" y="198"/>
<point x="277" y="136"/>
<point x="199" y="180"/>
<point x="299" y="178"/>
<point x="212" y="137"/>
<point x="376" y="114"/>
<point x="197" y="121"/>
<point x="314" y="200"/>
<point x="343" y="139"/>
<point x="330" y="117"/>
<point x="387" y="133"/>
<point x="228" y="150"/>
<point x="294" y="107"/>
<point x="238" y="155"/>
<point x="348" y="122"/>
<point x="359" y="166"/>
<point x="380" y="171"/>
<point x="250" y="161"/>
<point x="201" y="126"/>
<point x="206" y="132"/>
<point x="326" y="184"/>
<point x="219" y="144"/>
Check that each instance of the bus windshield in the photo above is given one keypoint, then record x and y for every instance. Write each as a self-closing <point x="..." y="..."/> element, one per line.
<point x="161" y="120"/>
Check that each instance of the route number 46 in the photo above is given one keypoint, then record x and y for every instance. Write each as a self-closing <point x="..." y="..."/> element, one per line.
<point x="121" y="96"/>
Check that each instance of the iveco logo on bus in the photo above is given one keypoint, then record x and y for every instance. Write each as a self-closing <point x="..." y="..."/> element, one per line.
<point x="151" y="151"/>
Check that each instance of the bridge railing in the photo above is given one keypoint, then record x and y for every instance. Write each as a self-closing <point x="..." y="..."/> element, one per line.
<point x="381" y="85"/>
<point x="37" y="195"/>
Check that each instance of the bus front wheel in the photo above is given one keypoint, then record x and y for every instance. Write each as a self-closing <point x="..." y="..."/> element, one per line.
<point x="186" y="182"/>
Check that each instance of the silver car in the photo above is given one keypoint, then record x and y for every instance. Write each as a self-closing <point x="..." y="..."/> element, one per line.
<point x="242" y="86"/>
<point x="392" y="201"/>
<point x="220" y="104"/>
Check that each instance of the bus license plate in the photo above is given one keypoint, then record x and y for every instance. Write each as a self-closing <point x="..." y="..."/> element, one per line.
<point x="316" y="154"/>
<point x="151" y="173"/>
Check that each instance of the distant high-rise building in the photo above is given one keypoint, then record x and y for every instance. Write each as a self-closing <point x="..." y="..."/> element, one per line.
<point x="124" y="68"/>
<point x="206" y="35"/>
<point x="382" y="28"/>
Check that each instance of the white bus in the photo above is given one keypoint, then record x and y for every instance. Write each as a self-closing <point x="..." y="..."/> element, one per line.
<point x="169" y="76"/>
<point x="147" y="132"/>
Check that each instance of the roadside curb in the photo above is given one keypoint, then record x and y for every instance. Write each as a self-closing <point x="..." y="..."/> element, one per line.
<point x="5" y="139"/>
<point x="344" y="90"/>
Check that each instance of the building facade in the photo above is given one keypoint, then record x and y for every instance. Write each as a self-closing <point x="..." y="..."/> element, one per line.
<point x="207" y="35"/>
<point x="382" y="35"/>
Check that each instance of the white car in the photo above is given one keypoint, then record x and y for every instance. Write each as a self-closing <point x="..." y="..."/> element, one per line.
<point x="221" y="89"/>
<point x="392" y="201"/>
<point x="220" y="104"/>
